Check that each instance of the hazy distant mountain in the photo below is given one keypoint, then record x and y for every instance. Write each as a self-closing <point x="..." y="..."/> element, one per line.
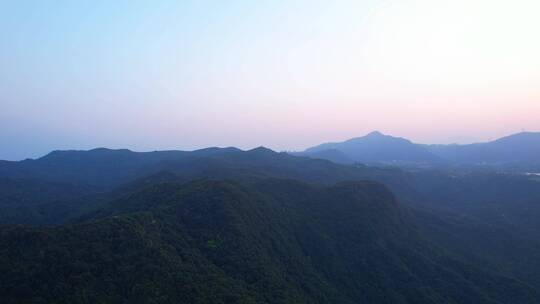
<point x="377" y="147"/>
<point x="518" y="149"/>
<point x="99" y="167"/>
<point x="332" y="155"/>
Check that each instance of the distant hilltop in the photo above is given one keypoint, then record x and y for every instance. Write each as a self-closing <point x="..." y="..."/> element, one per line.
<point x="375" y="147"/>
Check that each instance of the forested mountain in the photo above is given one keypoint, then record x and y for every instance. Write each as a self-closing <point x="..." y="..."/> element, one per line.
<point x="35" y="201"/>
<point x="98" y="167"/>
<point x="369" y="218"/>
<point x="122" y="168"/>
<point x="231" y="226"/>
<point x="276" y="241"/>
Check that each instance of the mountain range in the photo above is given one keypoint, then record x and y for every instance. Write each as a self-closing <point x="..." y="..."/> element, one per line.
<point x="272" y="241"/>
<point x="522" y="149"/>
<point x="223" y="225"/>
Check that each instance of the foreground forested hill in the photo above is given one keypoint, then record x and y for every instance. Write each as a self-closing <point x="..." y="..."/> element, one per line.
<point x="232" y="226"/>
<point x="276" y="241"/>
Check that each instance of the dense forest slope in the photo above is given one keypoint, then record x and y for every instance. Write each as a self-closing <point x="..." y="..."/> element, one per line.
<point x="232" y="226"/>
<point x="276" y="241"/>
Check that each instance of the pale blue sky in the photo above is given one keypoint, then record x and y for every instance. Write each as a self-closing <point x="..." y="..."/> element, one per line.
<point x="152" y="75"/>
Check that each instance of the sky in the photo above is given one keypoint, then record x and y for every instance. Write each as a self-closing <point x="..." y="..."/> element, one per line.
<point x="154" y="75"/>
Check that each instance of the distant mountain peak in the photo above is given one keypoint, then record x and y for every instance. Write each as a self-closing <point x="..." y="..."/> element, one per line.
<point x="261" y="149"/>
<point x="375" y="134"/>
<point x="378" y="147"/>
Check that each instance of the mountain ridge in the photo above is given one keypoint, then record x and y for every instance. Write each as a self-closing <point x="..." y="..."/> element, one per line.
<point x="376" y="147"/>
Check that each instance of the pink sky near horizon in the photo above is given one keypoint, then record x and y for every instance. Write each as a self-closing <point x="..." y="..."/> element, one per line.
<point x="283" y="74"/>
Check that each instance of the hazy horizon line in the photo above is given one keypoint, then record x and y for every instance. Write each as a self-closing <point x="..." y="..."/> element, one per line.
<point x="244" y="148"/>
